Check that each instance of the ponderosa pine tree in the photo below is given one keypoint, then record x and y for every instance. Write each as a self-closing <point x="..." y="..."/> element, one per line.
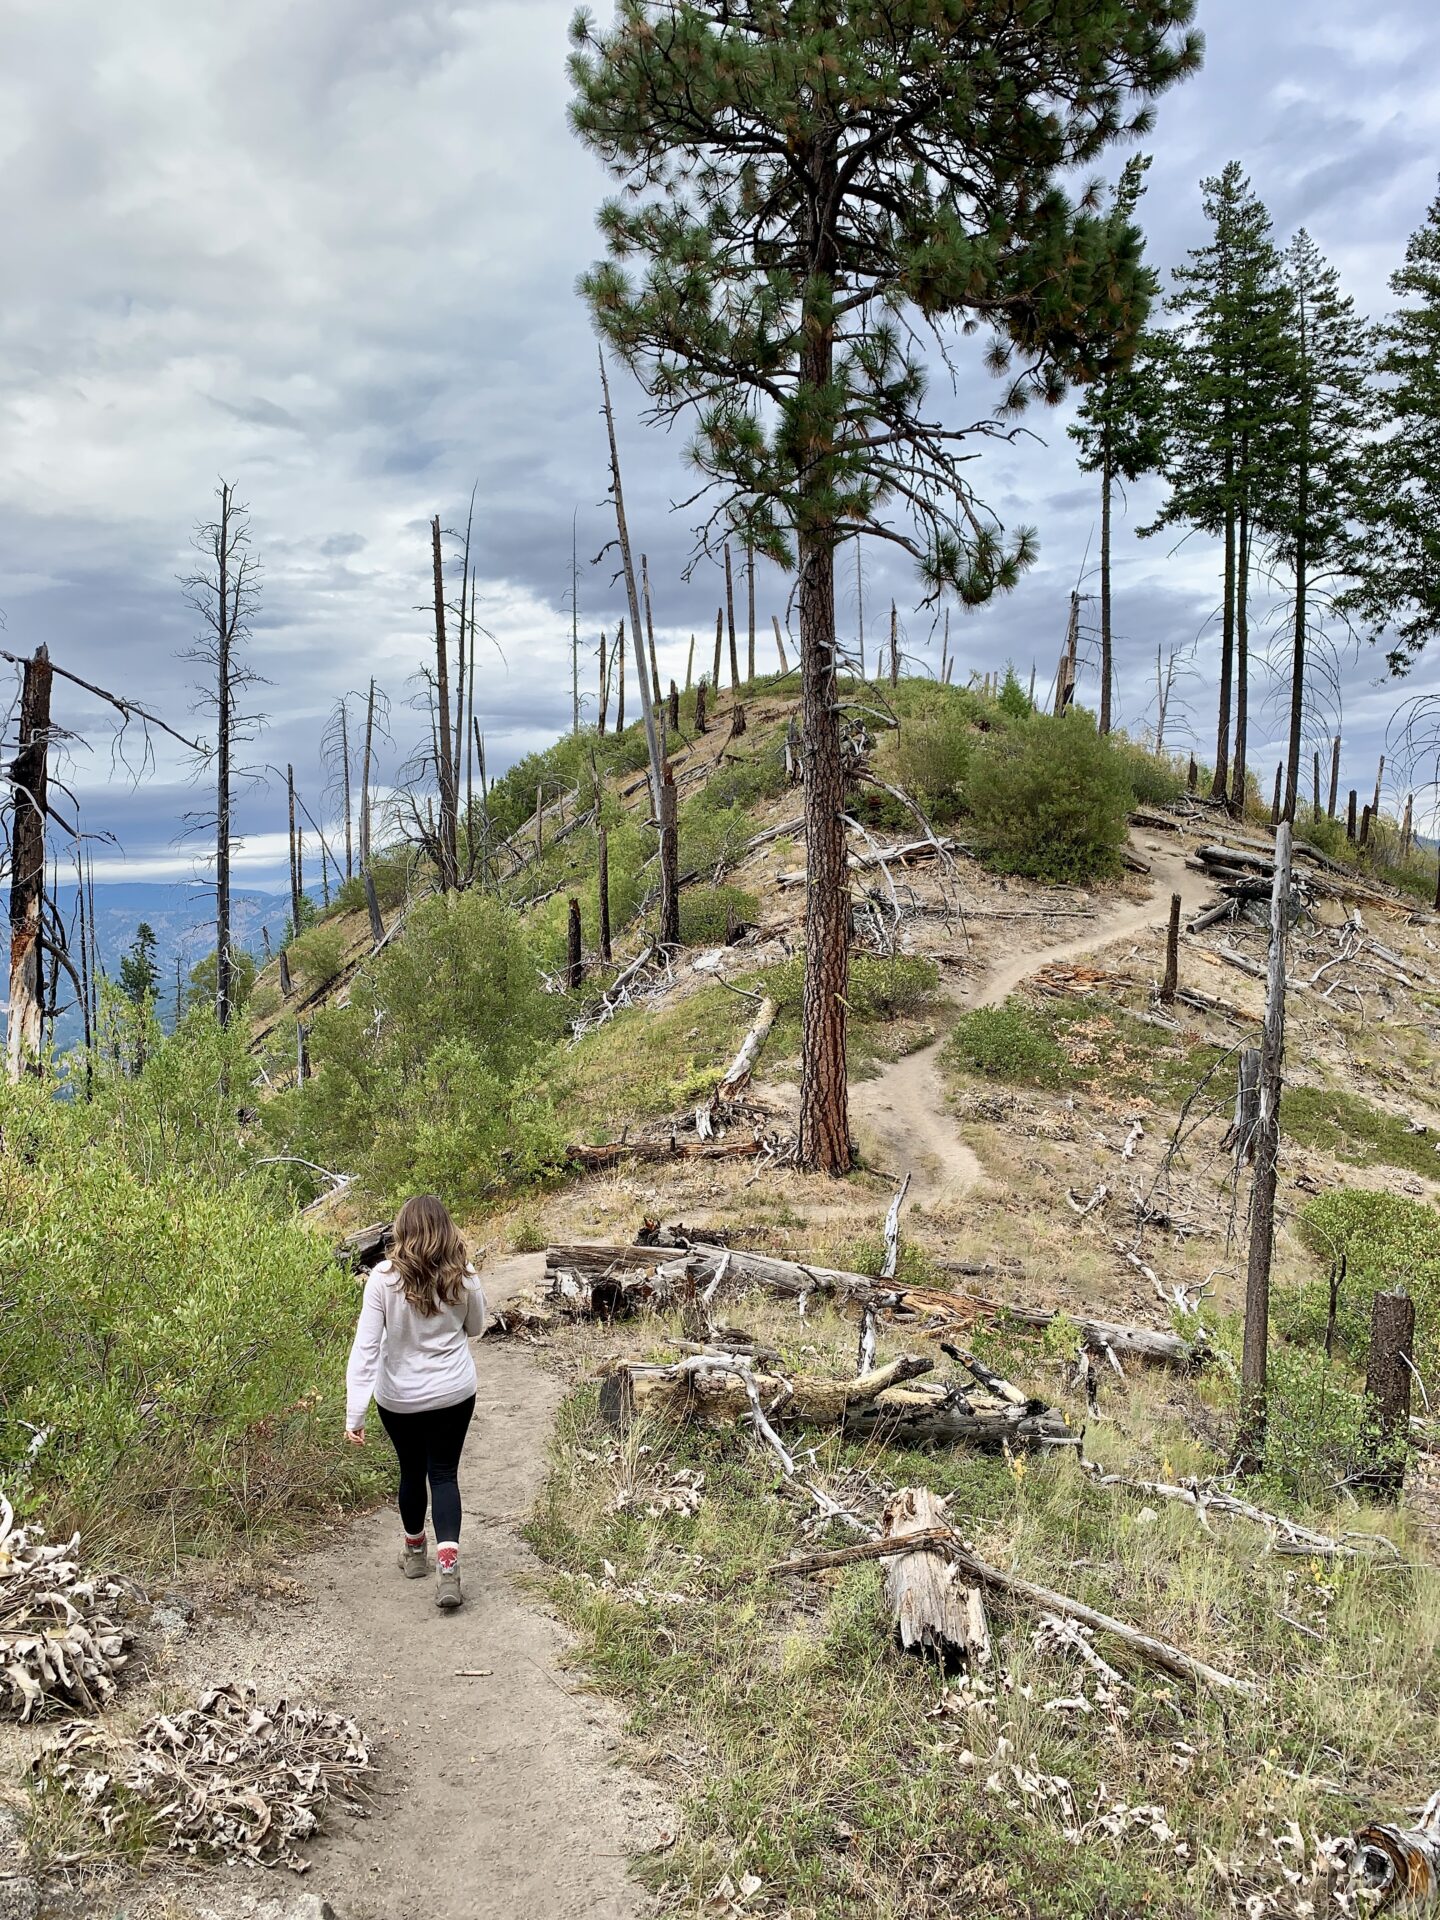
<point x="1225" y="397"/>
<point x="1315" y="483"/>
<point x="1120" y="431"/>
<point x="1397" y="564"/>
<point x="795" y="174"/>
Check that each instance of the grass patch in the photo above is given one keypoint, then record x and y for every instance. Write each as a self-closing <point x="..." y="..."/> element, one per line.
<point x="803" y="1747"/>
<point x="1078" y="1044"/>
<point x="1356" y="1132"/>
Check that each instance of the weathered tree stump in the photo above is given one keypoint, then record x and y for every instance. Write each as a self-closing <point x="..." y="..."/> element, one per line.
<point x="1387" y="1390"/>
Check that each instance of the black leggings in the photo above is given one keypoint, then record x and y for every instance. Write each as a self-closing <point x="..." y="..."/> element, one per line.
<point x="428" y="1447"/>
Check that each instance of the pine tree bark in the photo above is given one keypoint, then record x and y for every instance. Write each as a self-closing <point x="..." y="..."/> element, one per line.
<point x="1107" y="645"/>
<point x="700" y="693"/>
<point x="602" y="889"/>
<point x="719" y="642"/>
<point x="619" y="654"/>
<point x="345" y="783"/>
<point x="730" y="623"/>
<point x="1239" y="772"/>
<point x="295" y="875"/>
<point x="224" y="715"/>
<point x="1297" y="644"/>
<point x="1334" y="777"/>
<point x="779" y="644"/>
<point x="1387" y="1390"/>
<point x="604" y="687"/>
<point x="365" y="766"/>
<point x="29" y="780"/>
<point x="1220" y="785"/>
<point x="650" y="630"/>
<point x="1172" y="951"/>
<point x="574" y="948"/>
<point x="750" y="595"/>
<point x="668" y="812"/>
<point x="1250" y="1444"/>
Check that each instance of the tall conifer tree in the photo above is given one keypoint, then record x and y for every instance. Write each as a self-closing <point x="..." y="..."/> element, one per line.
<point x="1120" y="430"/>
<point x="797" y="173"/>
<point x="1397" y="564"/>
<point x="1226" y="396"/>
<point x="1315" y="484"/>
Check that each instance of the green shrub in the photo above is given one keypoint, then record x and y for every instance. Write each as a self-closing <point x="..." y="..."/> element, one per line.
<point x="1156" y="780"/>
<point x="1353" y="1130"/>
<point x="1388" y="1242"/>
<point x="710" y="915"/>
<point x="393" y="872"/>
<point x="431" y="1064"/>
<point x="177" y="1340"/>
<point x="350" y="896"/>
<point x="881" y="986"/>
<point x="317" y="956"/>
<point x="935" y="751"/>
<point x="1005" y="1043"/>
<point x="711" y="837"/>
<point x="1049" y="800"/>
<point x="1319" y="1430"/>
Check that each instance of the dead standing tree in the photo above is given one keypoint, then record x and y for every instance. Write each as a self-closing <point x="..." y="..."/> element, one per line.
<point x="224" y="592"/>
<point x="446" y="779"/>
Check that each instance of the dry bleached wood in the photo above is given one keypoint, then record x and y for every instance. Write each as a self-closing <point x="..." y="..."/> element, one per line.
<point x="794" y="1280"/>
<point x="1398" y="1868"/>
<point x="711" y="1388"/>
<point x="935" y="1614"/>
<point x="737" y="1074"/>
<point x="969" y="1566"/>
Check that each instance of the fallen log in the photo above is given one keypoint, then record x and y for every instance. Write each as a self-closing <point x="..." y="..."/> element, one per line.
<point x="1399" y="1867"/>
<point x="969" y="1566"/>
<point x="737" y="1074"/>
<point x="936" y="1615"/>
<point x="794" y="1280"/>
<point x="595" y="1159"/>
<point x="717" y="1391"/>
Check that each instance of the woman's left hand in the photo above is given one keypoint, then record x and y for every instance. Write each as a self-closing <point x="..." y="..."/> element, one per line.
<point x="355" y="1436"/>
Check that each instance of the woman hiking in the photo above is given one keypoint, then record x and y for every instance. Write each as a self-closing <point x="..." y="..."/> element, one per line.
<point x="423" y="1306"/>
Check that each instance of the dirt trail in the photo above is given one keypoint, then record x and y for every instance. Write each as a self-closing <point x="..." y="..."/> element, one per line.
<point x="901" y="1118"/>
<point x="499" y="1797"/>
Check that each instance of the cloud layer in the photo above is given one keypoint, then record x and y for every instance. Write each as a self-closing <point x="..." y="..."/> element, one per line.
<point x="330" y="253"/>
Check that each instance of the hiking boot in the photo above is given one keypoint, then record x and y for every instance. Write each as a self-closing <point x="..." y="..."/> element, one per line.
<point x="414" y="1562"/>
<point x="447" y="1590"/>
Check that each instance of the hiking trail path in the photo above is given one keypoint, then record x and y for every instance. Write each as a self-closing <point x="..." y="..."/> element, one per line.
<point x="499" y="1793"/>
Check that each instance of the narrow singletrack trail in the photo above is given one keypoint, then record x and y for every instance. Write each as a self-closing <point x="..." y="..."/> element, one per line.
<point x="901" y="1118"/>
<point x="498" y="1793"/>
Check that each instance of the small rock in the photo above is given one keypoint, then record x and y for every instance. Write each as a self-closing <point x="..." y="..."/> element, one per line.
<point x="19" y="1896"/>
<point x="169" y="1620"/>
<point x="1146" y="1517"/>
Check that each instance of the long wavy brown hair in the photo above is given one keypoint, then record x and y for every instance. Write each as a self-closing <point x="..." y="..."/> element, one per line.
<point x="428" y="1254"/>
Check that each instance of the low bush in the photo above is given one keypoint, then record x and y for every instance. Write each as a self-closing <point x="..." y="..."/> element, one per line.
<point x="350" y="896"/>
<point x="431" y="1065"/>
<point x="709" y="916"/>
<point x="1355" y="1131"/>
<point x="1008" y="1043"/>
<point x="880" y="987"/>
<point x="317" y="956"/>
<point x="935" y="751"/>
<point x="1048" y="799"/>
<point x="1319" y="1429"/>
<point x="1156" y="780"/>
<point x="173" y="1375"/>
<point x="1387" y="1242"/>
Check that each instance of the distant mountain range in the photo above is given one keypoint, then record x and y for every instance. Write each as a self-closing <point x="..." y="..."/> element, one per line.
<point x="183" y="919"/>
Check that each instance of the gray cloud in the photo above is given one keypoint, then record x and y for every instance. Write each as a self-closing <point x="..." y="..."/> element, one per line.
<point x="331" y="254"/>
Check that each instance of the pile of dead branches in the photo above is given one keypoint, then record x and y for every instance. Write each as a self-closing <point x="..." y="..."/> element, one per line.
<point x="227" y="1779"/>
<point x="61" y="1645"/>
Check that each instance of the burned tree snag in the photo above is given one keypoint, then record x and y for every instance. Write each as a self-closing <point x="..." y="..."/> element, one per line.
<point x="668" y="812"/>
<point x="1388" y="1374"/>
<point x="29" y="778"/>
<point x="1367" y="820"/>
<point x="1275" y="803"/>
<point x="604" y="688"/>
<point x="690" y="665"/>
<point x="1334" y="776"/>
<point x="602" y="888"/>
<point x="574" y="961"/>
<point x="1172" y="951"/>
<point x="366" y="762"/>
<point x="674" y="713"/>
<point x="779" y="643"/>
<point x="750" y="595"/>
<point x="936" y="1615"/>
<point x="372" y="906"/>
<point x="894" y="645"/>
<point x="619" y="654"/>
<point x="445" y="777"/>
<point x="295" y="870"/>
<point x="1350" y="817"/>
<point x="719" y="641"/>
<point x="1250" y="1447"/>
<point x="286" y="986"/>
<point x="700" y="693"/>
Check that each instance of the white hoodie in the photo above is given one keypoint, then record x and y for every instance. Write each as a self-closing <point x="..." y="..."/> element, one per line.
<point x="412" y="1362"/>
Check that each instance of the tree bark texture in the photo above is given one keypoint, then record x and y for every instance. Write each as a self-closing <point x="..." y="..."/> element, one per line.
<point x="1388" y="1374"/>
<point x="1107" y="653"/>
<point x="669" y="821"/>
<point x="730" y="623"/>
<point x="1250" y="1449"/>
<point x="1220" y="785"/>
<point x="1239" y="772"/>
<point x="1172" y="951"/>
<point x="29" y="780"/>
<point x="574" y="957"/>
<point x="602" y="887"/>
<point x="750" y="597"/>
<point x="936" y="1615"/>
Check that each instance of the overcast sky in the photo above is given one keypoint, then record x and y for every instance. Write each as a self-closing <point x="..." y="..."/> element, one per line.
<point x="330" y="253"/>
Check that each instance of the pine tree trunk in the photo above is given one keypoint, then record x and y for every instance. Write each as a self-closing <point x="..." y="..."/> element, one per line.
<point x="294" y="856"/>
<point x="668" y="815"/>
<point x="1240" y="772"/>
<point x="1107" y="654"/>
<point x="690" y="665"/>
<point x="602" y="888"/>
<point x="224" y="981"/>
<point x="1250" y="1445"/>
<point x="894" y="645"/>
<point x="730" y="623"/>
<point x="750" y="594"/>
<point x="365" y="777"/>
<point x="1387" y="1390"/>
<point x="779" y="643"/>
<point x="604" y="687"/>
<point x="29" y="779"/>
<point x="719" y="641"/>
<point x="700" y="693"/>
<point x="1334" y="777"/>
<point x="674" y="711"/>
<point x="574" y="948"/>
<point x="1220" y="785"/>
<point x="619" y="654"/>
<point x="345" y="780"/>
<point x="824" y="1106"/>
<point x="1297" y="660"/>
